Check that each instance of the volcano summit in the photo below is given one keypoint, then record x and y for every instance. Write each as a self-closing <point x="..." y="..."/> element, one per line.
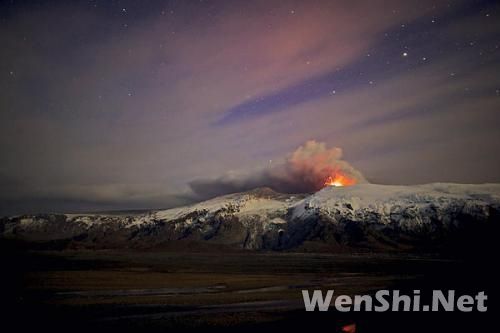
<point x="363" y="217"/>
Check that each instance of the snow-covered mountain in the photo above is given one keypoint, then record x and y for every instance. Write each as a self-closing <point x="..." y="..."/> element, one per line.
<point x="360" y="217"/>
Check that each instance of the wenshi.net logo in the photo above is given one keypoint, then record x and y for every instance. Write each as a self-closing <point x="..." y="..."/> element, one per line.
<point x="393" y="300"/>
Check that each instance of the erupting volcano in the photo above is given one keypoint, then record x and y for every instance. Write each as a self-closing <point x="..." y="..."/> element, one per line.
<point x="339" y="179"/>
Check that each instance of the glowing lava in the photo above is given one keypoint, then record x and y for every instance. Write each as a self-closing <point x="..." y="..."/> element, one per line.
<point x="339" y="179"/>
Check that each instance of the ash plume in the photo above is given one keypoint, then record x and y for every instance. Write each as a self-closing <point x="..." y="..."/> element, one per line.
<point x="304" y="170"/>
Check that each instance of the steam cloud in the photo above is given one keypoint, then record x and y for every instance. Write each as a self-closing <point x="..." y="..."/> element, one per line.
<point x="304" y="170"/>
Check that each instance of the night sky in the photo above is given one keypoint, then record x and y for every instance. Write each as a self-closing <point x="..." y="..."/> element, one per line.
<point x="134" y="104"/>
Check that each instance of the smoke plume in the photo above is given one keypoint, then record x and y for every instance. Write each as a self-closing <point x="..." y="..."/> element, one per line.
<point x="304" y="170"/>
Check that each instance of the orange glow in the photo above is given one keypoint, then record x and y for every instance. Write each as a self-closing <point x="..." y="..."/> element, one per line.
<point x="351" y="328"/>
<point x="339" y="179"/>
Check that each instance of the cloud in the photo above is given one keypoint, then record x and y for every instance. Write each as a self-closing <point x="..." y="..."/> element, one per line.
<point x="304" y="170"/>
<point x="19" y="197"/>
<point x="124" y="109"/>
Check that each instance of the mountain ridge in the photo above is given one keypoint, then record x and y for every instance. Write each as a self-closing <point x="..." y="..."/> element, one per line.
<point x="364" y="217"/>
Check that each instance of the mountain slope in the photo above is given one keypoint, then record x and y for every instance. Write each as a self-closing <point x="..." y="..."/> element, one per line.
<point x="356" y="218"/>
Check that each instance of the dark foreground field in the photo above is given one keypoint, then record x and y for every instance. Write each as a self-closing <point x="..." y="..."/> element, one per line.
<point x="227" y="290"/>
